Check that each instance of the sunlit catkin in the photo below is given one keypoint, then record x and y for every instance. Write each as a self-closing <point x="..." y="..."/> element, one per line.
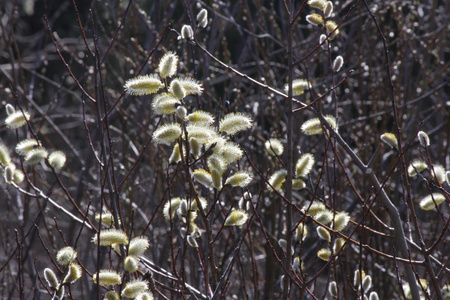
<point x="313" y="126"/>
<point x="5" y="157"/>
<point x="134" y="288"/>
<point x="131" y="263"/>
<point x="332" y="289"/>
<point x="177" y="89"/>
<point x="25" y="146"/>
<point x="424" y="140"/>
<point x="187" y="33"/>
<point x="234" y="122"/>
<point x="416" y="166"/>
<point x="57" y="159"/>
<point x="51" y="278"/>
<point x="18" y="176"/>
<point x="145" y="296"/>
<point x="200" y="117"/>
<point x="324" y="217"/>
<point x="299" y="86"/>
<point x="9" y="173"/>
<point x="328" y="9"/>
<point x="237" y="217"/>
<point x="274" y="147"/>
<point x="192" y="241"/>
<point x="432" y="201"/>
<point x="439" y="173"/>
<point x="324" y="254"/>
<point x="357" y="277"/>
<point x="338" y="244"/>
<point x="203" y="177"/>
<point x="171" y="207"/>
<point x="240" y="179"/>
<point x="111" y="295"/>
<point x="338" y="63"/>
<point x="341" y="220"/>
<point x="73" y="274"/>
<point x="323" y="233"/>
<point x="175" y="156"/>
<point x="332" y="29"/>
<point x="202" y="18"/>
<point x="301" y="232"/>
<point x="167" y="133"/>
<point x="231" y="152"/>
<point x="277" y="179"/>
<point x="107" y="277"/>
<point x="315" y="19"/>
<point x="107" y="218"/>
<point x="373" y="296"/>
<point x="10" y="109"/>
<point x="320" y="4"/>
<point x="314" y="208"/>
<point x="389" y="139"/>
<point x="110" y="236"/>
<point x="191" y="86"/>
<point x="181" y="112"/>
<point x="138" y="245"/>
<point x="304" y="165"/>
<point x="143" y="85"/>
<point x="298" y="184"/>
<point x="17" y="119"/>
<point x="165" y="104"/>
<point x="35" y="156"/>
<point x="366" y="283"/>
<point x="66" y="256"/>
<point x="168" y="65"/>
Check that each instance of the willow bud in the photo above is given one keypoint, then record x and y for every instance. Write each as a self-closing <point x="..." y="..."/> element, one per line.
<point x="315" y="19"/>
<point x="324" y="254"/>
<point x="323" y="233"/>
<point x="187" y="33"/>
<point x="5" y="158"/>
<point x="337" y="63"/>
<point x="10" y="109"/>
<point x="131" y="263"/>
<point x="390" y="139"/>
<point x="328" y="9"/>
<point x="51" y="278"/>
<point x="423" y="139"/>
<point x="202" y="18"/>
<point x="168" y="65"/>
<point x="177" y="89"/>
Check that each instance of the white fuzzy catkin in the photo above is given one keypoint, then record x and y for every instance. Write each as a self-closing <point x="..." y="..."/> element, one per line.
<point x="338" y="63"/>
<point x="328" y="9"/>
<point x="187" y="33"/>
<point x="202" y="18"/>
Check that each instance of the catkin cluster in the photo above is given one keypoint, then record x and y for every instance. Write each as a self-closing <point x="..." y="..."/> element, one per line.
<point x="196" y="139"/>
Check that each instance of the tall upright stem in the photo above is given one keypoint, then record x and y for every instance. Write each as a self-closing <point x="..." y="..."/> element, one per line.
<point x="289" y="156"/>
